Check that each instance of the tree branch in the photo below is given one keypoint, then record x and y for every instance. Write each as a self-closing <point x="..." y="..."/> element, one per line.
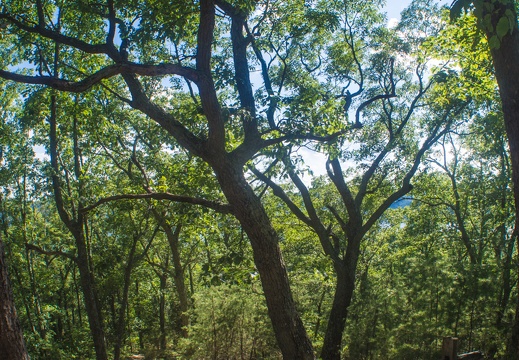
<point x="56" y="36"/>
<point x="215" y="205"/>
<point x="206" y="87"/>
<point x="334" y="170"/>
<point x="377" y="97"/>
<point x="280" y="193"/>
<point x="104" y="73"/>
<point x="50" y="253"/>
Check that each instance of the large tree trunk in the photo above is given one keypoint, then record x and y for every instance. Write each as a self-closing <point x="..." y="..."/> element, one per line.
<point x="506" y="65"/>
<point x="12" y="346"/>
<point x="288" y="327"/>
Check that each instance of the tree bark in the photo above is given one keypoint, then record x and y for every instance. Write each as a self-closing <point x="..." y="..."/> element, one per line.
<point x="90" y="298"/>
<point x="121" y="320"/>
<point x="289" y="330"/>
<point x="337" y="319"/>
<point x="162" y="311"/>
<point x="12" y="346"/>
<point x="345" y="286"/>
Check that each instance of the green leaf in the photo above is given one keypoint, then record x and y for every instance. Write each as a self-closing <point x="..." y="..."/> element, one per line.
<point x="494" y="42"/>
<point x="457" y="7"/>
<point x="503" y="26"/>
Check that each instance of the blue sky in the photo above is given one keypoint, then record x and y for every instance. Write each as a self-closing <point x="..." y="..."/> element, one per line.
<point x="394" y="7"/>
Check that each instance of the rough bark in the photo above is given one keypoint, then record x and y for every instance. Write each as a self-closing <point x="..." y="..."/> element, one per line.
<point x="289" y="330"/>
<point x="12" y="346"/>
<point x="345" y="271"/>
<point x="506" y="61"/>
<point x="337" y="319"/>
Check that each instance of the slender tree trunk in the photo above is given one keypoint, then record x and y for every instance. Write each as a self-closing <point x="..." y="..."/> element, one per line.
<point x="90" y="298"/>
<point x="178" y="278"/>
<point x="288" y="327"/>
<point x="12" y="346"/>
<point x="344" y="288"/>
<point x="121" y="319"/>
<point x="178" y="273"/>
<point x="337" y="319"/>
<point x="76" y="225"/>
<point x="162" y="311"/>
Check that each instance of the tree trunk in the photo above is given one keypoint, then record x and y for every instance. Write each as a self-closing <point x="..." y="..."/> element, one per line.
<point x="162" y="311"/>
<point x="12" y="346"/>
<point x="506" y="64"/>
<point x="121" y="319"/>
<point x="344" y="288"/>
<point x="337" y="319"/>
<point x="178" y="275"/>
<point x="76" y="227"/>
<point x="288" y="327"/>
<point x="90" y="297"/>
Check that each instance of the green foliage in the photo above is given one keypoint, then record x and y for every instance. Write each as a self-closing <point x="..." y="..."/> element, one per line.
<point x="334" y="69"/>
<point x="230" y="322"/>
<point x="495" y="22"/>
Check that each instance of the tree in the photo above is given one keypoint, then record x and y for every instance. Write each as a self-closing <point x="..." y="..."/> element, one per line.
<point x="382" y="152"/>
<point x="131" y="59"/>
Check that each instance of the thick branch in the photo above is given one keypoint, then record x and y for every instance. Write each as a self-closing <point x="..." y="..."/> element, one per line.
<point x="206" y="87"/>
<point x="104" y="73"/>
<point x="334" y="170"/>
<point x="280" y="193"/>
<point x="50" y="253"/>
<point x="167" y="121"/>
<point x="338" y="217"/>
<point x="316" y="222"/>
<point x="273" y="100"/>
<point x="56" y="36"/>
<point x="217" y="206"/>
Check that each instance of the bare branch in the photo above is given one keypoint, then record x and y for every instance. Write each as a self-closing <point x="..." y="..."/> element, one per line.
<point x="56" y="36"/>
